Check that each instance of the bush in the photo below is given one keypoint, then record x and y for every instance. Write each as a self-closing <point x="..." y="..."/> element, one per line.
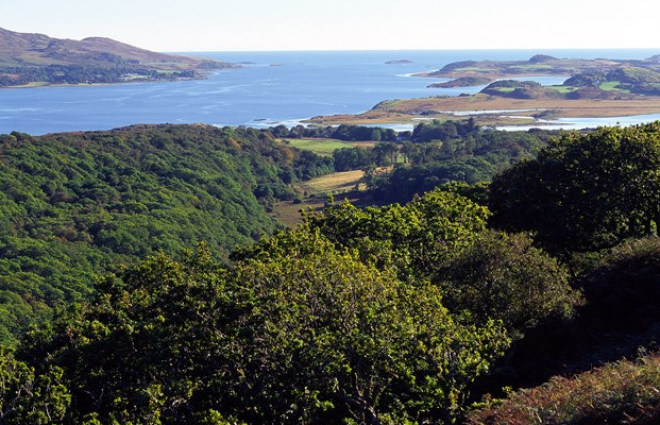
<point x="504" y="277"/>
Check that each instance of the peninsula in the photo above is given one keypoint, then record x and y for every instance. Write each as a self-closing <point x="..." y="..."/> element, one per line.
<point x="593" y="88"/>
<point x="29" y="60"/>
<point x="536" y="65"/>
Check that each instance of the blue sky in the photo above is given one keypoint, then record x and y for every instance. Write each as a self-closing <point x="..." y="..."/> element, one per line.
<point x="221" y="25"/>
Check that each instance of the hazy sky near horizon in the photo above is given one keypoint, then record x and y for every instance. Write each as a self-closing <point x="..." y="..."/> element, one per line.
<point x="222" y="25"/>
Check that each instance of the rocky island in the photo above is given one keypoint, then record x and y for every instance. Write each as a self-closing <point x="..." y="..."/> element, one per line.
<point x="29" y="60"/>
<point x="398" y="62"/>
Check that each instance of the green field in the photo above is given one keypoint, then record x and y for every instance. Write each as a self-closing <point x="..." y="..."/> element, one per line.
<point x="335" y="183"/>
<point x="506" y="89"/>
<point x="472" y="69"/>
<point x="563" y="89"/>
<point x="323" y="146"/>
<point x="534" y="67"/>
<point x="612" y="86"/>
<point x="340" y="185"/>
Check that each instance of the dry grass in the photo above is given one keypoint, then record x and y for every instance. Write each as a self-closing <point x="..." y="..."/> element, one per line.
<point x="624" y="392"/>
<point x="290" y="214"/>
<point x="323" y="146"/>
<point x="315" y="190"/>
<point x="405" y="110"/>
<point x="334" y="183"/>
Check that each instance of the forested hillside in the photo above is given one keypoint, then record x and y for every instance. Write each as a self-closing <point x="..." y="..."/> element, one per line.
<point x="422" y="313"/>
<point x="340" y="321"/>
<point x="74" y="206"/>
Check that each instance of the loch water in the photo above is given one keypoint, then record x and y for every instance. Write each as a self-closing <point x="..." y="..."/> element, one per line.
<point x="270" y="88"/>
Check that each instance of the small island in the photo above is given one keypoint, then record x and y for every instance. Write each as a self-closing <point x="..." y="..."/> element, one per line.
<point x="462" y="82"/>
<point x="593" y="88"/>
<point x="398" y="61"/>
<point x="536" y="65"/>
<point x="32" y="60"/>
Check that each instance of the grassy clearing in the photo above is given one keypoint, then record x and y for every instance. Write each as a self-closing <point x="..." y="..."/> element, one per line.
<point x="323" y="146"/>
<point x="290" y="214"/>
<point x="564" y="89"/>
<point x="472" y="69"/>
<point x="335" y="183"/>
<point x="536" y="67"/>
<point x="609" y="85"/>
<point x="612" y="86"/>
<point x="314" y="194"/>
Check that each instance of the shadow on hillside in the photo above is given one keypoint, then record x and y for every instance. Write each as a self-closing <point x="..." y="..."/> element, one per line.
<point x="620" y="320"/>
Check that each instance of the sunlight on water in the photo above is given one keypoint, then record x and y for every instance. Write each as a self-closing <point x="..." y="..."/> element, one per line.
<point x="306" y="84"/>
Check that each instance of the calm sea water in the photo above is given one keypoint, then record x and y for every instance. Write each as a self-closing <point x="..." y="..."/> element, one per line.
<point x="272" y="88"/>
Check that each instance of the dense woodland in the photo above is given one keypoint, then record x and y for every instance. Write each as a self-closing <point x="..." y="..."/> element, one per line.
<point x="419" y="312"/>
<point x="435" y="153"/>
<point x="76" y="206"/>
<point x="441" y="153"/>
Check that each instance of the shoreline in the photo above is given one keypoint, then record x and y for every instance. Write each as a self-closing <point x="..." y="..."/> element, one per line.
<point x="203" y="74"/>
<point x="490" y="110"/>
<point x="40" y="85"/>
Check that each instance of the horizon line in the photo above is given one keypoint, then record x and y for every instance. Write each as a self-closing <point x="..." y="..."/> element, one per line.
<point x="411" y="50"/>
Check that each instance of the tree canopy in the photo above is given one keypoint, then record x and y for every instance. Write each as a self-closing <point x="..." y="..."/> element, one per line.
<point x="307" y="338"/>
<point x="382" y="315"/>
<point x="76" y="206"/>
<point x="342" y="320"/>
<point x="584" y="191"/>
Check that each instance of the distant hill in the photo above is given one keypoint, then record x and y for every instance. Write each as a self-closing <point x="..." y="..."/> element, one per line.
<point x="36" y="58"/>
<point x="538" y="65"/>
<point x="594" y="79"/>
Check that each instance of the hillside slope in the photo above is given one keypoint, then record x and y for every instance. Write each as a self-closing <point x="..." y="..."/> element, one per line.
<point x="75" y="205"/>
<point x="30" y="58"/>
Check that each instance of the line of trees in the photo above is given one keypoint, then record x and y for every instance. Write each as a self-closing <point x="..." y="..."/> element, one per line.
<point x="75" y="74"/>
<point x="344" y="132"/>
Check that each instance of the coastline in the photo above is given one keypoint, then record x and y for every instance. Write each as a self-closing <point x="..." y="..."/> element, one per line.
<point x="312" y="84"/>
<point x="491" y="110"/>
<point x="203" y="75"/>
<point x="40" y="85"/>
